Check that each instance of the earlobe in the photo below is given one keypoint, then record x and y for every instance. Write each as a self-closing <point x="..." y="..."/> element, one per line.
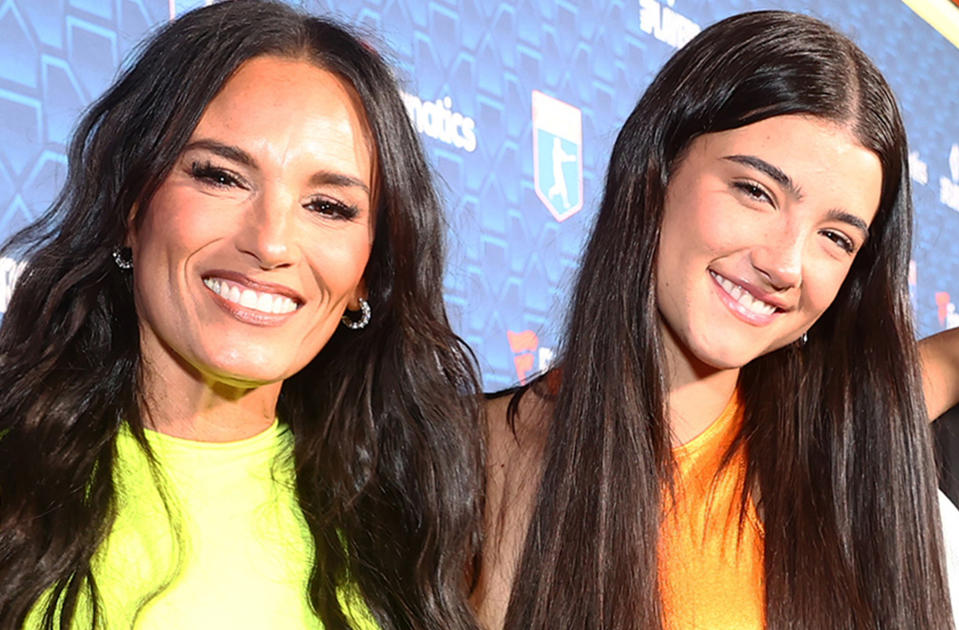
<point x="130" y="239"/>
<point x="360" y="295"/>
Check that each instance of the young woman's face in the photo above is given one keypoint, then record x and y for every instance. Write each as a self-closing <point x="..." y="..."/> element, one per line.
<point x="256" y="242"/>
<point x="760" y="227"/>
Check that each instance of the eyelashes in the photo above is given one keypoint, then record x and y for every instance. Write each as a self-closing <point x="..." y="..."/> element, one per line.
<point x="839" y="239"/>
<point x="754" y="191"/>
<point x="332" y="208"/>
<point x="218" y="177"/>
<point x="206" y="173"/>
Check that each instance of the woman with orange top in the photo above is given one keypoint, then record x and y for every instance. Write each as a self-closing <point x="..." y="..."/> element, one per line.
<point x="736" y="435"/>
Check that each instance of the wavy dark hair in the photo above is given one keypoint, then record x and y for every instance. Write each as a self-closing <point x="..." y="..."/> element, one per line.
<point x="388" y="452"/>
<point x="839" y="457"/>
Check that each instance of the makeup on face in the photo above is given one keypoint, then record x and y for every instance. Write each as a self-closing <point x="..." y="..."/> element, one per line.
<point x="257" y="241"/>
<point x="760" y="228"/>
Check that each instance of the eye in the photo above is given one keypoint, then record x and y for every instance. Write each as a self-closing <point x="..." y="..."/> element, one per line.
<point x="754" y="191"/>
<point x="840" y="239"/>
<point x="333" y="209"/>
<point x="215" y="176"/>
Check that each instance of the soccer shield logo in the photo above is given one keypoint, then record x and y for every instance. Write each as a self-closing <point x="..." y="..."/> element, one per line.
<point x="558" y="155"/>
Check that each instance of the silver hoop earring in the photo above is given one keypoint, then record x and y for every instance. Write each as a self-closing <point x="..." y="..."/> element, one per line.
<point x="365" y="314"/>
<point x="123" y="257"/>
<point x="804" y="339"/>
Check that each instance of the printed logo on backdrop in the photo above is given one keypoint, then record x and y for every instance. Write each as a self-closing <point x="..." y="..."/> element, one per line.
<point x="10" y="270"/>
<point x="948" y="317"/>
<point x="528" y="357"/>
<point x="557" y="155"/>
<point x="665" y="24"/>
<point x="949" y="189"/>
<point x="918" y="170"/>
<point x="439" y="121"/>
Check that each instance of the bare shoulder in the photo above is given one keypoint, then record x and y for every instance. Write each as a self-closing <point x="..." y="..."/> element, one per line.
<point x="518" y="423"/>
<point x="939" y="356"/>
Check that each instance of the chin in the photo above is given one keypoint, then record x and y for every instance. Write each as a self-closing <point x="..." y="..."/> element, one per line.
<point x="724" y="358"/>
<point x="247" y="373"/>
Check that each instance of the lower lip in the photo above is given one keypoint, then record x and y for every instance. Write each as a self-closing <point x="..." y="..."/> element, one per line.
<point x="740" y="311"/>
<point x="249" y="316"/>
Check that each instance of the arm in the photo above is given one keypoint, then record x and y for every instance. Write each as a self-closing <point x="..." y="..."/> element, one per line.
<point x="939" y="358"/>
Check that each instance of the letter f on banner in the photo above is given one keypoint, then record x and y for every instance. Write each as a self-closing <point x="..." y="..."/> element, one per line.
<point x="557" y="155"/>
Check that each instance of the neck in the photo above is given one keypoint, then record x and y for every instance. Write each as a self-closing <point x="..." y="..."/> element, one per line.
<point x="179" y="401"/>
<point x="698" y="392"/>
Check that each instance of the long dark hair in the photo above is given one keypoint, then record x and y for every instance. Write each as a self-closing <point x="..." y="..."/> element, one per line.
<point x="388" y="452"/>
<point x="839" y="460"/>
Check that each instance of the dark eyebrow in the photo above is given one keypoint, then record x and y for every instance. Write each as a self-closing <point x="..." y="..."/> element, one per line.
<point x="339" y="180"/>
<point x="235" y="154"/>
<point x="238" y="155"/>
<point x="773" y="171"/>
<point x="850" y="219"/>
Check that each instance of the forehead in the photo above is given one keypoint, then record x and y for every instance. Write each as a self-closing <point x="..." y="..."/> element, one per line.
<point x="289" y="105"/>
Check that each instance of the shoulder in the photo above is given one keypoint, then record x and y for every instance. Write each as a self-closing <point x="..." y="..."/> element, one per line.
<point x="517" y="426"/>
<point x="517" y="423"/>
<point x="950" y="533"/>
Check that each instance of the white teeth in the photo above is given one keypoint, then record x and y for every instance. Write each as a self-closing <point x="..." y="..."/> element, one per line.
<point x="265" y="303"/>
<point x="743" y="297"/>
<point x="283" y="305"/>
<point x="248" y="298"/>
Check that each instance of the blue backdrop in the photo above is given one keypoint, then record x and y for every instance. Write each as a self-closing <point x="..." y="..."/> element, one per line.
<point x="518" y="104"/>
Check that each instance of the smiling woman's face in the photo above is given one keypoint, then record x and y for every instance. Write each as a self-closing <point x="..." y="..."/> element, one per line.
<point x="760" y="227"/>
<point x="257" y="241"/>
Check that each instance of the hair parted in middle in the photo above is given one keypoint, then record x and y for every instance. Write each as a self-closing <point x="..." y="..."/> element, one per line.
<point x="839" y="461"/>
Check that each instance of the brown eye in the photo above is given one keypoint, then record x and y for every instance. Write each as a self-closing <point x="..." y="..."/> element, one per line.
<point x="754" y="191"/>
<point x="333" y="209"/>
<point x="840" y="239"/>
<point x="214" y="176"/>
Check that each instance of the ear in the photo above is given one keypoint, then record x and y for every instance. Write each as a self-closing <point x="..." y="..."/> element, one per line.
<point x="130" y="239"/>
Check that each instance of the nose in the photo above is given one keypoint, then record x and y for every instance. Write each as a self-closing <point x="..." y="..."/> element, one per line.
<point x="268" y="233"/>
<point x="779" y="258"/>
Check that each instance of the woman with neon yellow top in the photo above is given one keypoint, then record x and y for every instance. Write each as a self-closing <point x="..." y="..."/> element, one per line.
<point x="736" y="435"/>
<point x="229" y="394"/>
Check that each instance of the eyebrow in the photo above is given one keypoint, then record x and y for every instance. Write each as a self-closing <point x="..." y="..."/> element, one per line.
<point x="850" y="219"/>
<point x="238" y="155"/>
<point x="769" y="169"/>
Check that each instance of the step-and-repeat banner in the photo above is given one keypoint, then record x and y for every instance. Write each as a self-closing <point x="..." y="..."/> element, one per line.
<point x="518" y="104"/>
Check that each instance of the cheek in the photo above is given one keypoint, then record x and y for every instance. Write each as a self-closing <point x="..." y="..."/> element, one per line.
<point x="338" y="261"/>
<point x="822" y="284"/>
<point x="177" y="222"/>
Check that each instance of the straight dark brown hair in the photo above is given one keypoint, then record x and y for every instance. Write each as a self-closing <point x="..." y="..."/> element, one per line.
<point x="839" y="457"/>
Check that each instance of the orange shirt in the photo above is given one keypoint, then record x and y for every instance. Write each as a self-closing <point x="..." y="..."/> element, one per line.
<point x="711" y="571"/>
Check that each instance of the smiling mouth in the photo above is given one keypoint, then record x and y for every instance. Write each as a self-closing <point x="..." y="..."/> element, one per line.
<point x="263" y="302"/>
<point x="743" y="298"/>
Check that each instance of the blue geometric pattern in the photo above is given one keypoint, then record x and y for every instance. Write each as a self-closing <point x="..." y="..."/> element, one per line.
<point x="468" y="69"/>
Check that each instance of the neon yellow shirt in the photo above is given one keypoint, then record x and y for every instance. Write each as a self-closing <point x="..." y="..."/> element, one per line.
<point x="240" y="553"/>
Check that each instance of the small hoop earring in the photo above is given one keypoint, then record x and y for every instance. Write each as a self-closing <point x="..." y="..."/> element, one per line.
<point x="804" y="339"/>
<point x="123" y="257"/>
<point x="365" y="314"/>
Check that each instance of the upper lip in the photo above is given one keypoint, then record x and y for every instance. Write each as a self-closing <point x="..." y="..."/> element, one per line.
<point x="758" y="293"/>
<point x="256" y="285"/>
